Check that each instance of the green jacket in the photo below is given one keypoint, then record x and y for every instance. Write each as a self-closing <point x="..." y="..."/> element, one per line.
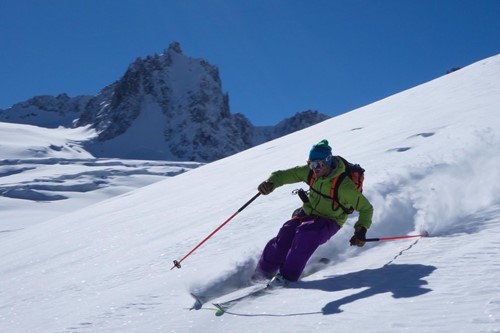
<point x="348" y="195"/>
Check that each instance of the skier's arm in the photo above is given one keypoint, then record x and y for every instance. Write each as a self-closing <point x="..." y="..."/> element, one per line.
<point x="351" y="197"/>
<point x="289" y="176"/>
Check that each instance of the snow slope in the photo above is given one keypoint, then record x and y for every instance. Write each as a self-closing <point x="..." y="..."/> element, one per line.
<point x="431" y="154"/>
<point x="46" y="172"/>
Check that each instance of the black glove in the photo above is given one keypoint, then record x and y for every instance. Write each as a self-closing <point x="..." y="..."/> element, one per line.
<point x="265" y="187"/>
<point x="359" y="238"/>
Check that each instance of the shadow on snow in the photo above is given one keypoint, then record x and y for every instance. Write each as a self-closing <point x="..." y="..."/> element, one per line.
<point x="403" y="281"/>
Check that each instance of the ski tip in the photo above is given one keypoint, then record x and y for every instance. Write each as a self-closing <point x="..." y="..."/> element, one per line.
<point x="219" y="309"/>
<point x="198" y="302"/>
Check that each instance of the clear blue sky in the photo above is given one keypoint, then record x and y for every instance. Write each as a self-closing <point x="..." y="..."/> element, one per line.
<point x="275" y="57"/>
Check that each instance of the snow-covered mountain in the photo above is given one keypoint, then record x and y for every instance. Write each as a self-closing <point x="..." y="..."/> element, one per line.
<point x="295" y="123"/>
<point x="431" y="155"/>
<point x="168" y="107"/>
<point x="46" y="111"/>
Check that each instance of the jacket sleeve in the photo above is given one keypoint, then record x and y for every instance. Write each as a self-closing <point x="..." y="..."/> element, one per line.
<point x="289" y="176"/>
<point x="351" y="197"/>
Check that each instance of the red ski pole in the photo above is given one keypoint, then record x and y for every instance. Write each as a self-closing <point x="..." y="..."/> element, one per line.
<point x="177" y="263"/>
<point x="395" y="237"/>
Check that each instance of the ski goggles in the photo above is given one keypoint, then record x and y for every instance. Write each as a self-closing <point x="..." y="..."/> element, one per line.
<point x="318" y="164"/>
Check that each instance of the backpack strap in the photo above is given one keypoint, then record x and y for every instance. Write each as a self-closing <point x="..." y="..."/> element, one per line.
<point x="334" y="195"/>
<point x="335" y="192"/>
<point x="310" y="178"/>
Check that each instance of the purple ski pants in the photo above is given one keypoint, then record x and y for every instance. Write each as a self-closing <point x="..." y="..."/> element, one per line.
<point x="295" y="243"/>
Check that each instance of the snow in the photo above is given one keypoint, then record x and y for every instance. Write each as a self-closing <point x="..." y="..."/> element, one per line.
<point x="145" y="135"/>
<point x="39" y="166"/>
<point x="431" y="155"/>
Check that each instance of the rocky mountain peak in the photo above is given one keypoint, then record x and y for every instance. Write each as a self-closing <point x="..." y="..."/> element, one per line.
<point x="168" y="106"/>
<point x="175" y="47"/>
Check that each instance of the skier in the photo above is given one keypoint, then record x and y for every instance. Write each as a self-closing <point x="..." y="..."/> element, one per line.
<point x="317" y="221"/>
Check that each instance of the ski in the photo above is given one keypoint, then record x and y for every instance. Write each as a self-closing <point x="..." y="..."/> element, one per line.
<point x="224" y="300"/>
<point x="224" y="305"/>
<point x="200" y="300"/>
<point x="219" y="309"/>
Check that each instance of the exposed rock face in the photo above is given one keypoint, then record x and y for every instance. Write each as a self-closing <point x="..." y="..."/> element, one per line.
<point x="299" y="121"/>
<point x="184" y="95"/>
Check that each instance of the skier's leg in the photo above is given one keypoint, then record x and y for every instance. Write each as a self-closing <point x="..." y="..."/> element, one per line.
<point x="276" y="250"/>
<point x="309" y="235"/>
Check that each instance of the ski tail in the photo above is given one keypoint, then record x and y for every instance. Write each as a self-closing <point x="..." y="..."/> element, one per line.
<point x="219" y="309"/>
